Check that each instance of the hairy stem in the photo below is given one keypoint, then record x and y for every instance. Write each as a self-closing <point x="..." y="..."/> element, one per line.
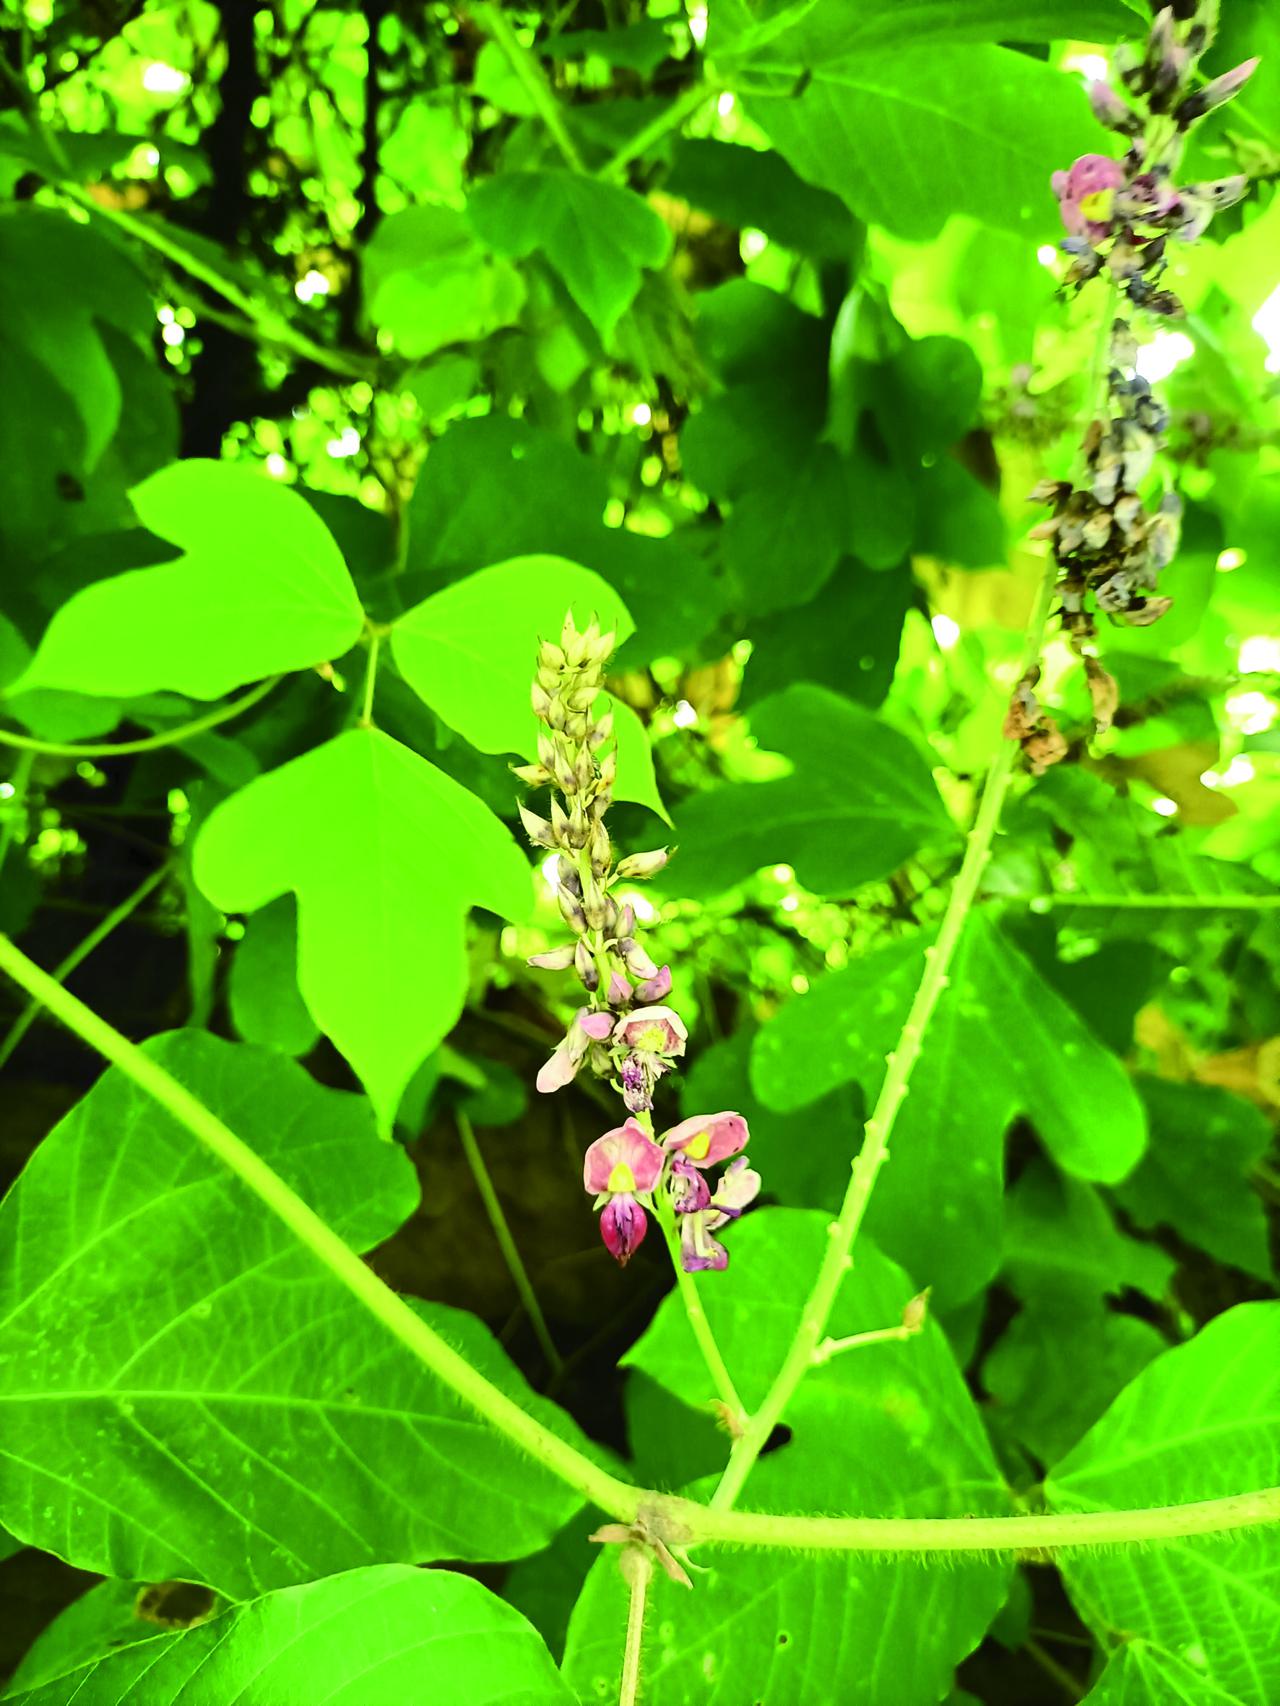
<point x="531" y="75"/>
<point x="506" y="1243"/>
<point x="699" y="1326"/>
<point x="148" y="743"/>
<point x="79" y="954"/>
<point x="618" y="1498"/>
<point x="639" y="1570"/>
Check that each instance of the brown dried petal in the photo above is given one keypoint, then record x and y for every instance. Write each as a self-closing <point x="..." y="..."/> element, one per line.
<point x="1104" y="693"/>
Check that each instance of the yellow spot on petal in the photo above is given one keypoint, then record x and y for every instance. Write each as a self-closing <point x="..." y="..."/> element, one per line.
<point x="621" y="1178"/>
<point x="697" y="1147"/>
<point x="1097" y="205"/>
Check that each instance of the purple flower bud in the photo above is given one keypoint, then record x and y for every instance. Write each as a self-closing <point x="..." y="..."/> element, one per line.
<point x="655" y="988"/>
<point x="619" y="991"/>
<point x="623" y="1226"/>
<point x="690" y="1192"/>
<point x="636" y="1093"/>
<point x="698" y="1250"/>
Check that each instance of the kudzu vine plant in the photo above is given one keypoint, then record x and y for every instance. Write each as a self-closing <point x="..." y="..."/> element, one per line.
<point x="911" y="1183"/>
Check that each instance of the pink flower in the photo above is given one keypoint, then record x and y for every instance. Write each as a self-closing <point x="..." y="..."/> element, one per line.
<point x="1086" y="193"/>
<point x="652" y="1030"/>
<point x="617" y="1166"/>
<point x="707" y="1138"/>
<point x="656" y="988"/>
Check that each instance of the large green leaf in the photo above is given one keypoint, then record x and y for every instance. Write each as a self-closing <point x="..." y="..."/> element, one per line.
<point x="597" y="236"/>
<point x="1201" y="1422"/>
<point x="386" y="854"/>
<point x="790" y="36"/>
<point x="1195" y="1175"/>
<point x="859" y="801"/>
<point x="62" y="286"/>
<point x="469" y="650"/>
<point x="908" y="137"/>
<point x="878" y="1434"/>
<point x="1142" y="1674"/>
<point x="187" y="1393"/>
<point x="262" y="991"/>
<point x="357" y="1639"/>
<point x="260" y="587"/>
<point x="1000" y="1043"/>
<point x="757" y="188"/>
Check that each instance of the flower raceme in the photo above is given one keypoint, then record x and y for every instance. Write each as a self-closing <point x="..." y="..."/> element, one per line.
<point x="626" y="1165"/>
<point x="626" y="1034"/>
<point x="1112" y="534"/>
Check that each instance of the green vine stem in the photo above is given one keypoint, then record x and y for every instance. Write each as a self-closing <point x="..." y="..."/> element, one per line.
<point x="490" y="18"/>
<point x="148" y="743"/>
<point x="1152" y="902"/>
<point x="696" y="1315"/>
<point x="683" y="107"/>
<point x="693" y="1522"/>
<point x="638" y="1568"/>
<point x="506" y="1243"/>
<point x="838" y="1258"/>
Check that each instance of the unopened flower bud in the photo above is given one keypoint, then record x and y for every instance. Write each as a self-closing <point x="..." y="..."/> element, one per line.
<point x="550" y="657"/>
<point x="1110" y="109"/>
<point x="555" y="959"/>
<point x="625" y="924"/>
<point x="635" y="959"/>
<point x="609" y="768"/>
<point x="555" y="717"/>
<point x="571" y="911"/>
<point x="537" y="828"/>
<point x="1215" y="93"/>
<point x="541" y="701"/>
<point x="535" y="775"/>
<point x="567" y="876"/>
<point x="585" y="966"/>
<point x="642" y="865"/>
<point x="619" y="991"/>
<point x="593" y="905"/>
<point x="559" y="826"/>
<point x="575" y="725"/>
<point x="916" y="1312"/>
<point x="601" y="731"/>
<point x="600" y="849"/>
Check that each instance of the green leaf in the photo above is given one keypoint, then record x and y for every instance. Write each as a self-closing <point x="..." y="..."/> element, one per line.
<point x="430" y="283"/>
<point x="1001" y="1043"/>
<point x="62" y="285"/>
<point x="1199" y="1423"/>
<point x="908" y="137"/>
<point x="260" y="587"/>
<point x="386" y="854"/>
<point x="99" y="1622"/>
<point x="1141" y="1674"/>
<point x="598" y="237"/>
<point x="751" y="187"/>
<point x="928" y="396"/>
<point x="871" y="1433"/>
<point x="383" y="1633"/>
<point x="1061" y="1242"/>
<point x="812" y="643"/>
<point x="639" y="47"/>
<point x="859" y="801"/>
<point x="1195" y="1175"/>
<point x="469" y="651"/>
<point x="786" y="534"/>
<point x="262" y="990"/>
<point x="188" y="1394"/>
<point x="1058" y="1365"/>
<point x="790" y="37"/>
